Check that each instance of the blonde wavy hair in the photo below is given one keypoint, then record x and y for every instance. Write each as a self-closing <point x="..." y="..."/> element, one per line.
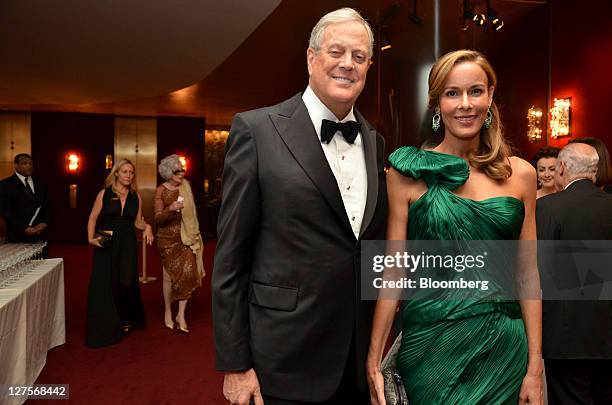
<point x="493" y="150"/>
<point x="111" y="179"/>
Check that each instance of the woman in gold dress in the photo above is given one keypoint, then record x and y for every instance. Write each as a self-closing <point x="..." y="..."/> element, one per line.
<point x="178" y="240"/>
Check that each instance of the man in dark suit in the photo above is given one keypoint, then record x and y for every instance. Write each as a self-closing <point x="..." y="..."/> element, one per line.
<point x="25" y="206"/>
<point x="300" y="193"/>
<point x="577" y="334"/>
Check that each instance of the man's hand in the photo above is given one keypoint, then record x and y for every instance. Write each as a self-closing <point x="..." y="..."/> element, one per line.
<point x="240" y="387"/>
<point x="40" y="228"/>
<point x="31" y="231"/>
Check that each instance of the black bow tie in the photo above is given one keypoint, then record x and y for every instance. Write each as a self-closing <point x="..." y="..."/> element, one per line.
<point x="349" y="130"/>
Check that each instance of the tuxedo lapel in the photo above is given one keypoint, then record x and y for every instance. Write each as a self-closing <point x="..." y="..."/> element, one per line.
<point x="21" y="188"/>
<point x="368" y="135"/>
<point x="295" y="128"/>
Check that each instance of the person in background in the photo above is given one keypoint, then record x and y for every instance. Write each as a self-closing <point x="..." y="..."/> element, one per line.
<point x="178" y="240"/>
<point x="577" y="334"/>
<point x="544" y="162"/>
<point x="24" y="204"/>
<point x="114" y="305"/>
<point x="604" y="168"/>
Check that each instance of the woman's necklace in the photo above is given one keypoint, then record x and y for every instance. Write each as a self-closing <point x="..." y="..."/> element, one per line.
<point x="170" y="186"/>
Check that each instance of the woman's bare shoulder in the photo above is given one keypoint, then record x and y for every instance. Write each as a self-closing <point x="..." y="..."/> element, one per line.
<point x="522" y="171"/>
<point x="406" y="186"/>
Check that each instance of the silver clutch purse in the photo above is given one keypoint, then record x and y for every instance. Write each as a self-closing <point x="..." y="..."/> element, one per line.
<point x="395" y="393"/>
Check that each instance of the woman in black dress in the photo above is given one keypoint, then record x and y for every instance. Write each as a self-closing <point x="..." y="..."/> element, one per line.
<point x="114" y="306"/>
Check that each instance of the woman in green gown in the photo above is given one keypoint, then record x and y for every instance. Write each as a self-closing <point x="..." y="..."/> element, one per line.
<point x="474" y="351"/>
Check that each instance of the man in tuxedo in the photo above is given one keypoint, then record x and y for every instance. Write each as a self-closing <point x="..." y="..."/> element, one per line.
<point x="25" y="206"/>
<point x="303" y="185"/>
<point x="577" y="334"/>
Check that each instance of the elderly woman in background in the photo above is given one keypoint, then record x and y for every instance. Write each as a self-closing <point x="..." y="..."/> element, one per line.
<point x="604" y="168"/>
<point x="544" y="162"/>
<point x="178" y="239"/>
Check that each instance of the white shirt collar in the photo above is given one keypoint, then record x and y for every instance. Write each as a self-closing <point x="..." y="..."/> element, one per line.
<point x="573" y="181"/>
<point x="21" y="177"/>
<point x="319" y="111"/>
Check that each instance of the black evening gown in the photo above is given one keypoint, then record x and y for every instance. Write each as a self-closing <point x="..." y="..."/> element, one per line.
<point x="114" y="295"/>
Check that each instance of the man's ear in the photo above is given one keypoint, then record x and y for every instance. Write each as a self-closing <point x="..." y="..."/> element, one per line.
<point x="310" y="55"/>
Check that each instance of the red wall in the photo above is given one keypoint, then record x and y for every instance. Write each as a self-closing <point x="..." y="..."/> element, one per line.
<point x="519" y="55"/>
<point x="582" y="65"/>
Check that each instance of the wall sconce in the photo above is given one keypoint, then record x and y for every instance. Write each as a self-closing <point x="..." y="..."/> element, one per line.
<point x="534" y="124"/>
<point x="560" y="117"/>
<point x="479" y="19"/>
<point x="108" y="162"/>
<point x="72" y="162"/>
<point x="183" y="161"/>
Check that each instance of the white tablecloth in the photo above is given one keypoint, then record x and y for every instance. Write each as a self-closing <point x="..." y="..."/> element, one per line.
<point x="32" y="321"/>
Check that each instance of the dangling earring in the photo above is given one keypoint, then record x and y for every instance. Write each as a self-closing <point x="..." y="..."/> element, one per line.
<point x="435" y="122"/>
<point x="489" y="119"/>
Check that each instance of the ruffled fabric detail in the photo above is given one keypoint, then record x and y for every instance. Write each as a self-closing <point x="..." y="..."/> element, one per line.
<point x="432" y="167"/>
<point x="460" y="351"/>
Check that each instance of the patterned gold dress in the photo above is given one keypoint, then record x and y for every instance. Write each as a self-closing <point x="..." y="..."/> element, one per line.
<point x="178" y="260"/>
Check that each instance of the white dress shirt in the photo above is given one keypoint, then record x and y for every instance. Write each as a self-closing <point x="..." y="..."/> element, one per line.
<point x="23" y="180"/>
<point x="347" y="161"/>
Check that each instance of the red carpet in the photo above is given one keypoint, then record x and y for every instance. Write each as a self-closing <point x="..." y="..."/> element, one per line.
<point x="152" y="366"/>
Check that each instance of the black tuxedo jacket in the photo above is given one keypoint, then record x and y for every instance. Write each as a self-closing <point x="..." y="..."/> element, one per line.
<point x="286" y="279"/>
<point x="576" y="329"/>
<point x="18" y="206"/>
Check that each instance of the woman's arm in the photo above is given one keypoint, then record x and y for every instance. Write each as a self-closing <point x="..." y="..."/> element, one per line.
<point x="93" y="219"/>
<point x="163" y="213"/>
<point x="140" y="224"/>
<point x="398" y="188"/>
<point x="528" y="280"/>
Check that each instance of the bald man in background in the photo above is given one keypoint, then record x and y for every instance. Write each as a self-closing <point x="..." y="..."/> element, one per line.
<point x="577" y="335"/>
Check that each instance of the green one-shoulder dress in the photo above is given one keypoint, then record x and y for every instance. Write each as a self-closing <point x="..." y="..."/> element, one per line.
<point x="459" y="351"/>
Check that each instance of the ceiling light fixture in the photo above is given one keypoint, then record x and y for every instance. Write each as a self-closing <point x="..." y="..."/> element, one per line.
<point x="479" y="19"/>
<point x="496" y="22"/>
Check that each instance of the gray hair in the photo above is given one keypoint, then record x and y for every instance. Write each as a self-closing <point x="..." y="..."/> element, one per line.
<point x="168" y="166"/>
<point x="580" y="161"/>
<point x="339" y="16"/>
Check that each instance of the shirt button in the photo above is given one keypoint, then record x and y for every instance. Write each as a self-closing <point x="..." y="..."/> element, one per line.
<point x="342" y="157"/>
<point x="353" y="218"/>
<point x="348" y="187"/>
